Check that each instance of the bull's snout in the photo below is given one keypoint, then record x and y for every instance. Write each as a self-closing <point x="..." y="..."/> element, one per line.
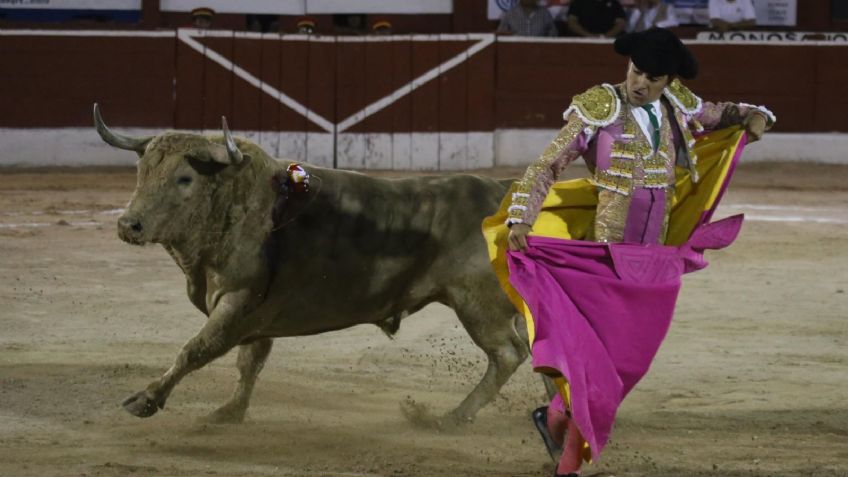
<point x="130" y="229"/>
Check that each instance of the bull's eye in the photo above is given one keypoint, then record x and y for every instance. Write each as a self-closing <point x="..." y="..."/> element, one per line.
<point x="184" y="180"/>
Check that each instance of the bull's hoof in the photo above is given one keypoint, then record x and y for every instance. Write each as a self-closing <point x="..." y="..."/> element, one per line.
<point x="421" y="416"/>
<point x="141" y="404"/>
<point x="226" y="414"/>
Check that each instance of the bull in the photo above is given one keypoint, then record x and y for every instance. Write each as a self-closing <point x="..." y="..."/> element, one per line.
<point x="262" y="261"/>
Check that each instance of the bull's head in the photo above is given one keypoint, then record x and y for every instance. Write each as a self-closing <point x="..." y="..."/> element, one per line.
<point x="178" y="174"/>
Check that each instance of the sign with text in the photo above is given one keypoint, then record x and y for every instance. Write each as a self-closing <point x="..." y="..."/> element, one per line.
<point x="774" y="36"/>
<point x="269" y="7"/>
<point x="315" y="7"/>
<point x="70" y="4"/>
<point x="769" y="12"/>
<point x="776" y="12"/>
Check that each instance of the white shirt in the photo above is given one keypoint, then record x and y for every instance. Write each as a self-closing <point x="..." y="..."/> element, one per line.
<point x="641" y="21"/>
<point x="732" y="12"/>
<point x="645" y="121"/>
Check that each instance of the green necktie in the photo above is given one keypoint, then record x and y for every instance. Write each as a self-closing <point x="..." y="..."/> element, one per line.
<point x="649" y="108"/>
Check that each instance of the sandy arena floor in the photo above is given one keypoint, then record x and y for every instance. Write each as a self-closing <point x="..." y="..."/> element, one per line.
<point x="752" y="380"/>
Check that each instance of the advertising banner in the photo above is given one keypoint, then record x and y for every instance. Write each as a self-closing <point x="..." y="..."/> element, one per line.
<point x="57" y="11"/>
<point x="776" y="12"/>
<point x="70" y="4"/>
<point x="774" y="36"/>
<point x="314" y="7"/>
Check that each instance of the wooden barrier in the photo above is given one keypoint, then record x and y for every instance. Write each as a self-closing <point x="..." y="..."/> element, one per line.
<point x="374" y="102"/>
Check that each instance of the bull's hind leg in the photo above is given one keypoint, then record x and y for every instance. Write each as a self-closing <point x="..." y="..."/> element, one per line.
<point x="251" y="359"/>
<point x="492" y="326"/>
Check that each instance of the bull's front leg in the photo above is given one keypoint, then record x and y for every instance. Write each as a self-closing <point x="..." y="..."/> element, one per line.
<point x="250" y="360"/>
<point x="227" y="326"/>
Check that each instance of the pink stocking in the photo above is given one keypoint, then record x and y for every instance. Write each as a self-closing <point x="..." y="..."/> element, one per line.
<point x="572" y="453"/>
<point x="557" y="424"/>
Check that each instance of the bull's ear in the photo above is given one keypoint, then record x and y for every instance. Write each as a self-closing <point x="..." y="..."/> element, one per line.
<point x="229" y="153"/>
<point x="205" y="164"/>
<point x="218" y="154"/>
<point x="226" y="154"/>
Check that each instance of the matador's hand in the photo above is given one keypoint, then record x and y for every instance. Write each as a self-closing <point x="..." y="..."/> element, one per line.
<point x="755" y="126"/>
<point x="517" y="239"/>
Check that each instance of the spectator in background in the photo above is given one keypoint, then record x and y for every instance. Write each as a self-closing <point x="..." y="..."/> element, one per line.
<point x="263" y="23"/>
<point x="692" y="12"/>
<point x="305" y="26"/>
<point x="647" y="14"/>
<point x="598" y="18"/>
<point x="202" y="17"/>
<point x="350" y="24"/>
<point x="727" y="15"/>
<point x="528" y="19"/>
<point x="561" y="21"/>
<point x="381" y="26"/>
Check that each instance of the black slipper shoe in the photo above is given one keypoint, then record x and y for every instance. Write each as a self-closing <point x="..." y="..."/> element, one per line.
<point x="540" y="419"/>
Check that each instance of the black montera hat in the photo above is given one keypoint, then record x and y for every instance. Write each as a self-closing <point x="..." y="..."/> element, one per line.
<point x="658" y="52"/>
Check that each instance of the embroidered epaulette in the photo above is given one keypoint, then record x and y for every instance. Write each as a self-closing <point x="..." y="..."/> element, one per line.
<point x="598" y="106"/>
<point x="683" y="98"/>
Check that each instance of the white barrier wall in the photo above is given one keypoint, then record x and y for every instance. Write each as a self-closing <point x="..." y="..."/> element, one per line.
<point x="74" y="147"/>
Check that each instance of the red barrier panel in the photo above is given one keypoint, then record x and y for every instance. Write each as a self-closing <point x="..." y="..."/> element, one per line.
<point x="52" y="80"/>
<point x="831" y="76"/>
<point x="189" y="83"/>
<point x="535" y="81"/>
<point x="318" y="85"/>
<point x="480" y="93"/>
<point x="783" y="78"/>
<point x="247" y="98"/>
<point x="217" y="84"/>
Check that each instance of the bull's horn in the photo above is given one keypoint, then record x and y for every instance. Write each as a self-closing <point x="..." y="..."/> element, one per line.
<point x="232" y="149"/>
<point x="117" y="140"/>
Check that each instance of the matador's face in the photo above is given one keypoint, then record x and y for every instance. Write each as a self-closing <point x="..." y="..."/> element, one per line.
<point x="643" y="88"/>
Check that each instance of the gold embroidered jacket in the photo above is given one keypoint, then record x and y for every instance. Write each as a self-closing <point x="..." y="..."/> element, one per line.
<point x="600" y="128"/>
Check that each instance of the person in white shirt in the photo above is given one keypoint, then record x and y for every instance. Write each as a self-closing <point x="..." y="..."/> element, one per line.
<point x="727" y="15"/>
<point x="651" y="13"/>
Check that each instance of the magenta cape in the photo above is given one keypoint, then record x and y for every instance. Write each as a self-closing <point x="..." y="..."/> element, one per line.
<point x="601" y="312"/>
